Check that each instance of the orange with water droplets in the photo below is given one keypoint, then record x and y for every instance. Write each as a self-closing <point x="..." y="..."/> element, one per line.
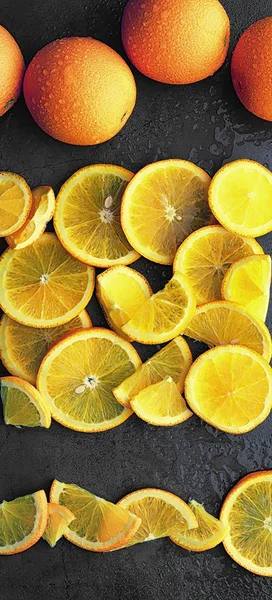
<point x="11" y="72"/>
<point x="79" y="90"/>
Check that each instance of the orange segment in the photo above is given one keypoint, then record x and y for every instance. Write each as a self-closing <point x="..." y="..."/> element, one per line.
<point x="247" y="511"/>
<point x="248" y="282"/>
<point x="230" y="387"/>
<point x="58" y="521"/>
<point x="99" y="525"/>
<point x="161" y="404"/>
<point x="205" y="256"/>
<point x="42" y="210"/>
<point x="22" y="522"/>
<point x="87" y="217"/>
<point x="42" y="285"/>
<point x="23" y="405"/>
<point x="221" y="323"/>
<point x="240" y="198"/>
<point x="162" y="205"/>
<point x="15" y="202"/>
<point x="209" y="531"/>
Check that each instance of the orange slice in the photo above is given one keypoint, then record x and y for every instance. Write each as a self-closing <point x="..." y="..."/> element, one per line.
<point x="87" y="216"/>
<point x="162" y="205"/>
<point x="240" y="198"/>
<point x="121" y="291"/>
<point x="99" y="525"/>
<point x="42" y="285"/>
<point x="22" y="522"/>
<point x="42" y="210"/>
<point x="164" y="315"/>
<point x="162" y="513"/>
<point x="77" y="375"/>
<point x="15" y="202"/>
<point x="161" y="404"/>
<point x="248" y="282"/>
<point x="209" y="531"/>
<point x="230" y="387"/>
<point x="174" y="360"/>
<point x="221" y="323"/>
<point x="247" y="511"/>
<point x="22" y="348"/>
<point x="23" y="405"/>
<point x="58" y="521"/>
<point x="205" y="256"/>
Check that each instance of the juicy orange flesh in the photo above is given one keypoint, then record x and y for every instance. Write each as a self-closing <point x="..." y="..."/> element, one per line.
<point x="245" y="196"/>
<point x="220" y="325"/>
<point x="45" y="282"/>
<point x="208" y="260"/>
<point x="80" y="366"/>
<point x="250" y="521"/>
<point x="96" y="520"/>
<point x="89" y="224"/>
<point x="231" y="392"/>
<point x="23" y="347"/>
<point x="159" y="199"/>
<point x="159" y="519"/>
<point x="249" y="285"/>
<point x="38" y="211"/>
<point x="57" y="522"/>
<point x="208" y="527"/>
<point x="17" y="520"/>
<point x="163" y="310"/>
<point x="12" y="203"/>
<point x="160" y="400"/>
<point x="18" y="408"/>
<point x="122" y="306"/>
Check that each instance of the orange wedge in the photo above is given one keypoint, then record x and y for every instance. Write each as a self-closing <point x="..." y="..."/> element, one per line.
<point x="23" y="405"/>
<point x="161" y="404"/>
<point x="162" y="205"/>
<point x="42" y="210"/>
<point x="22" y="522"/>
<point x="15" y="202"/>
<point x="58" y="521"/>
<point x="99" y="525"/>
<point x="42" y="285"/>
<point x="209" y="531"/>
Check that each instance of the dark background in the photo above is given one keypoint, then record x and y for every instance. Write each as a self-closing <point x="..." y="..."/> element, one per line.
<point x="206" y="124"/>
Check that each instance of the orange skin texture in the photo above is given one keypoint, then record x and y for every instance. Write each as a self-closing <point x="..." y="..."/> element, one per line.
<point x="79" y="90"/>
<point x="11" y="72"/>
<point x="176" y="41"/>
<point x="251" y="68"/>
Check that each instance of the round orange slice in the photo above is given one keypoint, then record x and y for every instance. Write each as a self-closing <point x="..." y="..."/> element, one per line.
<point x="162" y="205"/>
<point x="247" y="511"/>
<point x="42" y="285"/>
<point x="87" y="216"/>
<point x="78" y="374"/>
<point x="230" y="387"/>
<point x="42" y="210"/>
<point x="22" y="522"/>
<point x="240" y="198"/>
<point x="15" y="202"/>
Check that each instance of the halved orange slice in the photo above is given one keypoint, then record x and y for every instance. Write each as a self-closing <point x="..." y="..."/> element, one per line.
<point x="161" y="404"/>
<point x="58" y="521"/>
<point x="23" y="405"/>
<point x="22" y="522"/>
<point x="42" y="210"/>
<point x="209" y="531"/>
<point x="15" y="202"/>
<point x="99" y="525"/>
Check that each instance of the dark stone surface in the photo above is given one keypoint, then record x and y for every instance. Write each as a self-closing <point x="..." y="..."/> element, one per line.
<point x="205" y="123"/>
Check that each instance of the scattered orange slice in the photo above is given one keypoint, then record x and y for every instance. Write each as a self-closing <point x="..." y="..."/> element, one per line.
<point x="240" y="198"/>
<point x="247" y="511"/>
<point x="221" y="323"/>
<point x="248" y="282"/>
<point x="205" y="256"/>
<point x="23" y="405"/>
<point x="99" y="525"/>
<point x="230" y="387"/>
<point x="164" y="315"/>
<point x="15" y="202"/>
<point x="58" y="521"/>
<point x="87" y="216"/>
<point x="77" y="375"/>
<point x="161" y="514"/>
<point x="42" y="285"/>
<point x="161" y="404"/>
<point x="162" y="205"/>
<point x="22" y="522"/>
<point x="121" y="291"/>
<point x="209" y="531"/>
<point x="42" y="210"/>
<point x="174" y="360"/>
<point x="22" y="348"/>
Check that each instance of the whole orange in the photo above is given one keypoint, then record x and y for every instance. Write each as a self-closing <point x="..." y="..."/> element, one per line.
<point x="251" y="68"/>
<point x="79" y="90"/>
<point x="176" y="41"/>
<point x="12" y="68"/>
